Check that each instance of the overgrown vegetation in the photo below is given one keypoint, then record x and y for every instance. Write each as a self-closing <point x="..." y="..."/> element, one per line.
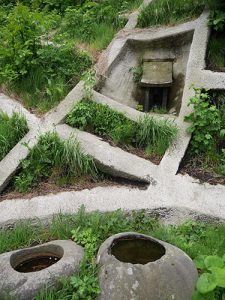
<point x="90" y="230"/>
<point x="154" y="135"/>
<point x="216" y="46"/>
<point x="41" y="73"/>
<point x="208" y="130"/>
<point x="52" y="157"/>
<point x="39" y="60"/>
<point x="165" y="12"/>
<point x="211" y="283"/>
<point x="12" y="130"/>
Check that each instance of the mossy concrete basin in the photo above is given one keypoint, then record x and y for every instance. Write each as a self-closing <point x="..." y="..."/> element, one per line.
<point x="138" y="267"/>
<point x="24" y="272"/>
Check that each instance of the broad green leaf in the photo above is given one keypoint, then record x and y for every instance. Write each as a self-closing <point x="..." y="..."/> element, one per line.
<point x="206" y="283"/>
<point x="199" y="296"/>
<point x="213" y="262"/>
<point x="219" y="274"/>
<point x="199" y="262"/>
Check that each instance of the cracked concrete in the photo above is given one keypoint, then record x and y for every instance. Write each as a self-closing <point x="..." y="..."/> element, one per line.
<point x="173" y="197"/>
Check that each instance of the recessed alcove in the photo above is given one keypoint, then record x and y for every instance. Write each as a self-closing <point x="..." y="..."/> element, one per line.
<point x="160" y="59"/>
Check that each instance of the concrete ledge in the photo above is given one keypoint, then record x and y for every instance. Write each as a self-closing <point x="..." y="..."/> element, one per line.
<point x="109" y="159"/>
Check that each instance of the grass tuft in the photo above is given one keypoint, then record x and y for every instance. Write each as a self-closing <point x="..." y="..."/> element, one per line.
<point x="12" y="130"/>
<point x="100" y="119"/>
<point x="62" y="160"/>
<point x="169" y="12"/>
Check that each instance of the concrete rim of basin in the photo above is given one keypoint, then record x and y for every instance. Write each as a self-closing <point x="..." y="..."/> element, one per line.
<point x="24" y="286"/>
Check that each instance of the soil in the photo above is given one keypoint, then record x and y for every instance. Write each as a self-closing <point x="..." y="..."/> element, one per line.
<point x="50" y="187"/>
<point x="196" y="169"/>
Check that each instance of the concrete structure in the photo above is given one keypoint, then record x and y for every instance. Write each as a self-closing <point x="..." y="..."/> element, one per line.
<point x="24" y="286"/>
<point x="170" y="195"/>
<point x="136" y="266"/>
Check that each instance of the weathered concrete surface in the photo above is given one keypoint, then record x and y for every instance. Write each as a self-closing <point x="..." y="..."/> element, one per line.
<point x="9" y="106"/>
<point x="109" y="159"/>
<point x="174" y="197"/>
<point x="24" y="286"/>
<point x="170" y="194"/>
<point x="173" y="276"/>
<point x="172" y="159"/>
<point x="133" y="18"/>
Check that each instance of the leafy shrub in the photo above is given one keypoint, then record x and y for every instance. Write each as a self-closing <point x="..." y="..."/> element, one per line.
<point x="102" y="120"/>
<point x="208" y="128"/>
<point x="41" y="73"/>
<point x="211" y="282"/>
<point x="205" y="123"/>
<point x="137" y="73"/>
<point x="95" y="117"/>
<point x="217" y="20"/>
<point x="12" y="130"/>
<point x="53" y="155"/>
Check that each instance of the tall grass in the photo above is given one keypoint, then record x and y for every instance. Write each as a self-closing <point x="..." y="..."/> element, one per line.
<point x="54" y="157"/>
<point x="156" y="135"/>
<point x="103" y="34"/>
<point x="216" y="52"/>
<point x="165" y="12"/>
<point x="12" y="130"/>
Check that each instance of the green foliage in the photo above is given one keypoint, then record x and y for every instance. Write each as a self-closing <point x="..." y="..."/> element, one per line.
<point x="208" y="129"/>
<point x="217" y="20"/>
<point x="53" y="156"/>
<point x="20" y="42"/>
<point x="12" y="130"/>
<point x="40" y="72"/>
<point x="90" y="230"/>
<point x="156" y="135"/>
<point x="137" y="73"/>
<point x="211" y="282"/>
<point x="104" y="121"/>
<point x="205" y="122"/>
<point x="216" y="52"/>
<point x="96" y="22"/>
<point x="164" y="12"/>
<point x="89" y="82"/>
<point x="95" y="117"/>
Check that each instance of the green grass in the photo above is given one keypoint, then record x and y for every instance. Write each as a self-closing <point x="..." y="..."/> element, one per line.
<point x="216" y="52"/>
<point x="52" y="157"/>
<point x="12" y="130"/>
<point x="156" y="135"/>
<point x="90" y="230"/>
<point x="103" y="35"/>
<point x="169" y="12"/>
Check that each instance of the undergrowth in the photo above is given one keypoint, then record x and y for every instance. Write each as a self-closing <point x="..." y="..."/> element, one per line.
<point x="40" y="72"/>
<point x="12" y="130"/>
<point x="165" y="12"/>
<point x="63" y="161"/>
<point x="148" y="133"/>
<point x="208" y="129"/>
<point x="90" y="230"/>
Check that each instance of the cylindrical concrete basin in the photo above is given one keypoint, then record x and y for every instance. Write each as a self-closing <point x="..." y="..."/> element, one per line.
<point x="24" y="272"/>
<point x="138" y="267"/>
